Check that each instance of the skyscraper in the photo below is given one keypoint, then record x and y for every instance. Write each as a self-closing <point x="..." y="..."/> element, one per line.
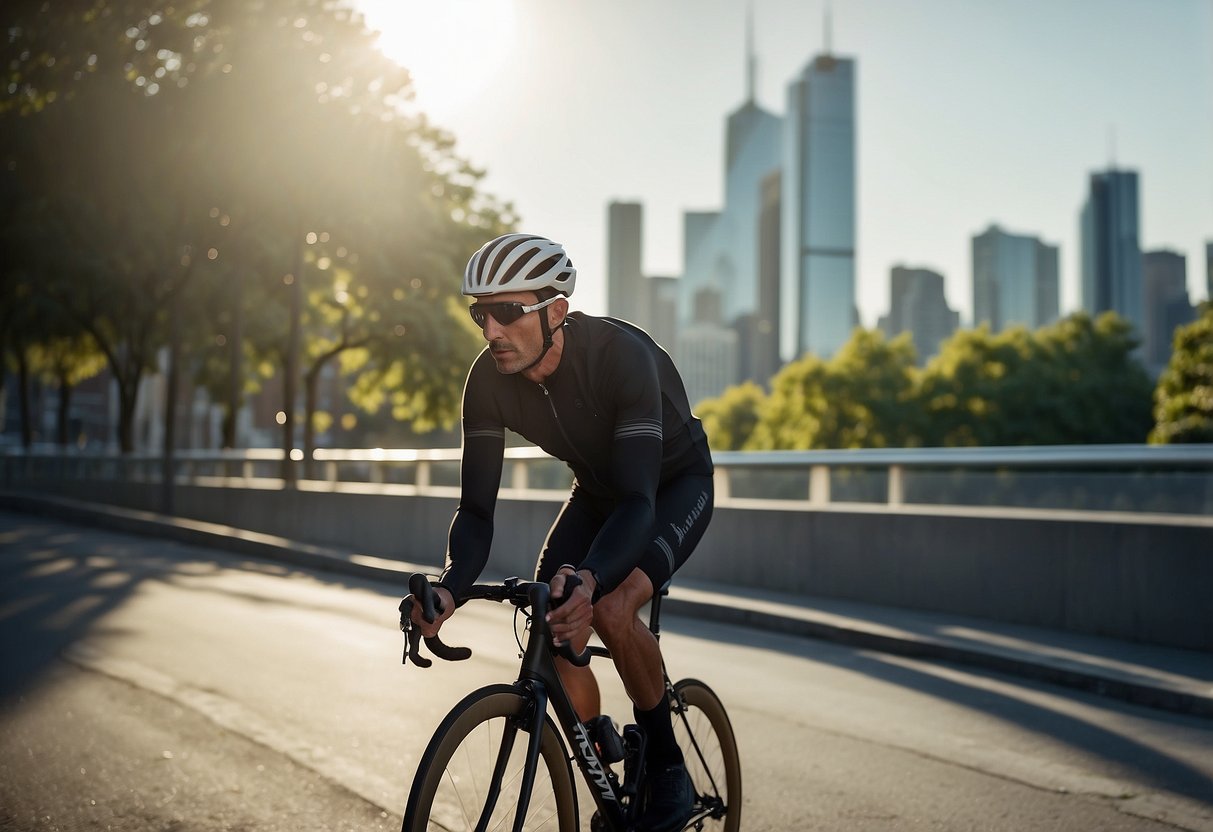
<point x="1014" y="280"/>
<point x="819" y="207"/>
<point x="765" y="360"/>
<point x="1111" y="251"/>
<point x="627" y="294"/>
<point x="662" y="317"/>
<point x="1209" y="271"/>
<point x="1166" y="305"/>
<point x="723" y="256"/>
<point x="917" y="305"/>
<point x="707" y="350"/>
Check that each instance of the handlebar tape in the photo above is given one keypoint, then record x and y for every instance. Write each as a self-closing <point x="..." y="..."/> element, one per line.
<point x="431" y="607"/>
<point x="565" y="650"/>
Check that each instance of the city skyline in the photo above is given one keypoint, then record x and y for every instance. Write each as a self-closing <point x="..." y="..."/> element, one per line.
<point x="969" y="114"/>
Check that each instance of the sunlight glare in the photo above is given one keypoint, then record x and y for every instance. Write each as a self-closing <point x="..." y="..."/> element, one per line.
<point x="451" y="47"/>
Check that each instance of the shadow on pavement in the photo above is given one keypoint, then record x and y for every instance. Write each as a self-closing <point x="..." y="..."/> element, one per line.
<point x="1147" y="763"/>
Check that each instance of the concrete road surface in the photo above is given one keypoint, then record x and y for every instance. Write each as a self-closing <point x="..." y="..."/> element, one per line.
<point x="149" y="685"/>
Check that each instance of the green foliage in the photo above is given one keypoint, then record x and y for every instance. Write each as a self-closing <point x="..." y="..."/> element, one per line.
<point x="1075" y="382"/>
<point x="212" y="158"/>
<point x="730" y="420"/>
<point x="66" y="361"/>
<point x="857" y="399"/>
<point x="1183" y="400"/>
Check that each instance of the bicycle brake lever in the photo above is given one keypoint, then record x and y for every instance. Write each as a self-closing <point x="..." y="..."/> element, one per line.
<point x="431" y="606"/>
<point x="414" y="649"/>
<point x="412" y="636"/>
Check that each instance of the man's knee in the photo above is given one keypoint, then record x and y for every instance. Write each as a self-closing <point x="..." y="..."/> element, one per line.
<point x="615" y="612"/>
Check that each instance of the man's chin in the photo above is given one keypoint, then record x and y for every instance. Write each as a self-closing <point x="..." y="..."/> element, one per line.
<point x="507" y="364"/>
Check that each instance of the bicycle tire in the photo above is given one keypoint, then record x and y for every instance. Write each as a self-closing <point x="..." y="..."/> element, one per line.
<point x="453" y="780"/>
<point x="705" y="736"/>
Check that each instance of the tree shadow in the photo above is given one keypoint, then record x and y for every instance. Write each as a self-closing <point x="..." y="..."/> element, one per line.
<point x="58" y="580"/>
<point x="1143" y="762"/>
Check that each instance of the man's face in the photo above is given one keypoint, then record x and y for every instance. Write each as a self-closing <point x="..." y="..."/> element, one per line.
<point x="517" y="345"/>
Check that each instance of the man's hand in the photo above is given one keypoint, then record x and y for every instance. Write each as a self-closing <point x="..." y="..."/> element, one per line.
<point x="448" y="608"/>
<point x="572" y="619"/>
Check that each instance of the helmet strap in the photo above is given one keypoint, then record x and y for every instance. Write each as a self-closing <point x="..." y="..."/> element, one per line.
<point x="547" y="339"/>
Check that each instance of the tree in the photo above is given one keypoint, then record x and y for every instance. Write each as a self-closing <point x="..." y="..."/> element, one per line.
<point x="730" y="420"/>
<point x="1183" y="400"/>
<point x="176" y="162"/>
<point x="860" y="398"/>
<point x="65" y="361"/>
<point x="1074" y="382"/>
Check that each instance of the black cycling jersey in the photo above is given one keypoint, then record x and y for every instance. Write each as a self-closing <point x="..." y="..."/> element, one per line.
<point x="615" y="410"/>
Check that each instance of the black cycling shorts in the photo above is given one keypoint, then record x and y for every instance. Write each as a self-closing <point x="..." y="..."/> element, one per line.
<point x="684" y="507"/>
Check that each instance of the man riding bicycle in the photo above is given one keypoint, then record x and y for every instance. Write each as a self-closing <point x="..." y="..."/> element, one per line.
<point x="602" y="396"/>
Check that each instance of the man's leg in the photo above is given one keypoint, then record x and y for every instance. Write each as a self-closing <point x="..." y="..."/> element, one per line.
<point x="581" y="686"/>
<point x="633" y="646"/>
<point x="568" y="540"/>
<point x="637" y="656"/>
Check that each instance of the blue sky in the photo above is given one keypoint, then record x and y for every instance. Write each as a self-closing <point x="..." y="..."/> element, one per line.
<point x="970" y="112"/>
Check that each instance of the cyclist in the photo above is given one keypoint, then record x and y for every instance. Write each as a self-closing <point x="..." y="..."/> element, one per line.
<point x="601" y="395"/>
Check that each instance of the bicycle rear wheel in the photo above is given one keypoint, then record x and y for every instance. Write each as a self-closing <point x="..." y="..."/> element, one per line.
<point x="705" y="736"/>
<point x="479" y="743"/>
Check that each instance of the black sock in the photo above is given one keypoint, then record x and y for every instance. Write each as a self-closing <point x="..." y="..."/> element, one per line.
<point x="658" y="728"/>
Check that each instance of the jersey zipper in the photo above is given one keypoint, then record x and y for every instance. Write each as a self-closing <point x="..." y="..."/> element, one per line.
<point x="560" y="427"/>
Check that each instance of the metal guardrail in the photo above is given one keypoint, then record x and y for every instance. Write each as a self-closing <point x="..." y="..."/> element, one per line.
<point x="1142" y="479"/>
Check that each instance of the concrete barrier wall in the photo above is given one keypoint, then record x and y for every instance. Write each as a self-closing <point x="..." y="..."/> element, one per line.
<point x="1148" y="582"/>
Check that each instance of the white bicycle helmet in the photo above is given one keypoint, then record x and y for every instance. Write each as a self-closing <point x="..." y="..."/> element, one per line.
<point x="519" y="263"/>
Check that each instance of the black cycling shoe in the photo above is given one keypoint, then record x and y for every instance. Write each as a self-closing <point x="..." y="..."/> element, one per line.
<point x="669" y="799"/>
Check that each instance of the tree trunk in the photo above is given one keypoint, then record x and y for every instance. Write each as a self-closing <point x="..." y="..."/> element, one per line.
<point x="311" y="382"/>
<point x="235" y="390"/>
<point x="172" y="383"/>
<point x="128" y="391"/>
<point x="27" y="410"/>
<point x="65" y="408"/>
<point x="292" y="366"/>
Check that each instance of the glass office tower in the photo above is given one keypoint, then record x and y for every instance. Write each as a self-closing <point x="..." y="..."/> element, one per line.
<point x="819" y="207"/>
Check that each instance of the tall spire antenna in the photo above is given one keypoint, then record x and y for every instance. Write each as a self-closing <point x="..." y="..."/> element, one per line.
<point x="829" y="27"/>
<point x="751" y="63"/>
<point x="1112" y="146"/>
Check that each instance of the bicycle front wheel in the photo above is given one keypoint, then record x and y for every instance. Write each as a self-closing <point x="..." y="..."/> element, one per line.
<point x="705" y="736"/>
<point x="470" y="777"/>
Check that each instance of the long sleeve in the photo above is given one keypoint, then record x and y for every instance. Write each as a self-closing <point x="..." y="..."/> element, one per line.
<point x="471" y="533"/>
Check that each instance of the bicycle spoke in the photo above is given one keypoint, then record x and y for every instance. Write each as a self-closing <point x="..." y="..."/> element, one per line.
<point x="467" y="784"/>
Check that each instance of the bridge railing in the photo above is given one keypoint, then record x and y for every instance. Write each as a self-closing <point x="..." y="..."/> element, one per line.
<point x="1133" y="479"/>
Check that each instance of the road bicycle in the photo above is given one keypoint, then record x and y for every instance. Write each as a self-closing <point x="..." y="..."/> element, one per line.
<point x="499" y="760"/>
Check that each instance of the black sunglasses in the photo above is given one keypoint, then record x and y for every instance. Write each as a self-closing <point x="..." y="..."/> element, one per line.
<point x="504" y="313"/>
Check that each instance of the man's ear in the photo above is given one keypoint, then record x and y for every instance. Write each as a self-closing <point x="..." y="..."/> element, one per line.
<point x="560" y="309"/>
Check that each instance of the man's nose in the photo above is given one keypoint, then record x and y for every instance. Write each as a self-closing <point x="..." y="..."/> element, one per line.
<point x="491" y="328"/>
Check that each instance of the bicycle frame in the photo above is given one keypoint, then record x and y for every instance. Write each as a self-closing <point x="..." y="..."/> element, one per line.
<point x="539" y="684"/>
<point x="539" y="677"/>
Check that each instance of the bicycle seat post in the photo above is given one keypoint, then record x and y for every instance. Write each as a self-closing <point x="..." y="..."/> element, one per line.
<point x="655" y="609"/>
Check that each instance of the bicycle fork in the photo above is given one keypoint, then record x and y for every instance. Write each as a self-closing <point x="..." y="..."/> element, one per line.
<point x="531" y="722"/>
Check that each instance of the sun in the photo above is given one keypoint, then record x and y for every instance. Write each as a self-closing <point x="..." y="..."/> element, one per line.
<point x="452" y="48"/>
